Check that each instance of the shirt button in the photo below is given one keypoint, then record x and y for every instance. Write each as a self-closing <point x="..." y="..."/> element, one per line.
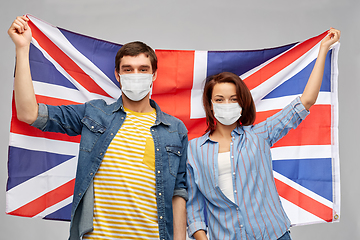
<point x="79" y="194"/>
<point x="232" y="156"/>
<point x="178" y="152"/>
<point x="111" y="134"/>
<point x="152" y="129"/>
<point x="161" y="217"/>
<point x="241" y="225"/>
<point x="157" y="149"/>
<point x="231" y="143"/>
<point x="233" y="173"/>
<point x="158" y="171"/>
<point x="91" y="173"/>
<point x="237" y="209"/>
<point x="235" y="191"/>
<point x="122" y="117"/>
<point x="159" y="193"/>
<point x="101" y="154"/>
<point x="92" y="127"/>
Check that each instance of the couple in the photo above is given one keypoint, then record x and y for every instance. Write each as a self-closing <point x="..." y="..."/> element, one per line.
<point x="137" y="176"/>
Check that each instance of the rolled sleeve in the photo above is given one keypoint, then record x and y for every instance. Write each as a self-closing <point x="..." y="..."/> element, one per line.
<point x="196" y="226"/>
<point x="181" y="193"/>
<point x="299" y="108"/>
<point x="181" y="184"/>
<point x="43" y="116"/>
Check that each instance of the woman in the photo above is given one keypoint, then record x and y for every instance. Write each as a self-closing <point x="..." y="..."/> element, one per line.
<point x="229" y="169"/>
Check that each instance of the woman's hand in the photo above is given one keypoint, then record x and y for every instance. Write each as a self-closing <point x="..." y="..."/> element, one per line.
<point x="332" y="37"/>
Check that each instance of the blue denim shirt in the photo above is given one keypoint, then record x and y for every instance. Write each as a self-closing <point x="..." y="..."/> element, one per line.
<point x="98" y="122"/>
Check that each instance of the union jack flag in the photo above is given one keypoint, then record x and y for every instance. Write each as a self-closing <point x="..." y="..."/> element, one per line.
<point x="69" y="68"/>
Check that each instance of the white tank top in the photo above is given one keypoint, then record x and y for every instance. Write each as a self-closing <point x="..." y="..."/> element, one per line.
<point x="225" y="176"/>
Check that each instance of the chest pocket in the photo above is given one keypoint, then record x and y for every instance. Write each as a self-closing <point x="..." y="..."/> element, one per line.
<point x="90" y="133"/>
<point x="174" y="154"/>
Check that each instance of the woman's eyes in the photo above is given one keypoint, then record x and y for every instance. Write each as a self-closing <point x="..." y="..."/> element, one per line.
<point x="223" y="100"/>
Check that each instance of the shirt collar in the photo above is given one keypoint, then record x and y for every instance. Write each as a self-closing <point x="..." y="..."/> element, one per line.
<point x="239" y="130"/>
<point x="206" y="137"/>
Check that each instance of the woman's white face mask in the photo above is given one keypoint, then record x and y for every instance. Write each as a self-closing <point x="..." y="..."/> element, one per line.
<point x="136" y="86"/>
<point x="227" y="113"/>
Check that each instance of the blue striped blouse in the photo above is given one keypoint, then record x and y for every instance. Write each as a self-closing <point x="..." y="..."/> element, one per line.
<point x="257" y="212"/>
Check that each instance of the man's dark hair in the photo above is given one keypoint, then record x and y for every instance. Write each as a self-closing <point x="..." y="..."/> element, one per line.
<point x="134" y="49"/>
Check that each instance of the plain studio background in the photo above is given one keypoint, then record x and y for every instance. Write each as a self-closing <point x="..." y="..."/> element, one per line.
<point x="201" y="25"/>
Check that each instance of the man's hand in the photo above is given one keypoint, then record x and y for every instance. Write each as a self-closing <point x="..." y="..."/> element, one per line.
<point x="20" y="32"/>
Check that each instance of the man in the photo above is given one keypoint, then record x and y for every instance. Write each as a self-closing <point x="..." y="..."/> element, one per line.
<point x="130" y="180"/>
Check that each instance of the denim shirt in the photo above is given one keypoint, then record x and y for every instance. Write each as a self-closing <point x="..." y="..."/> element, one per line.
<point x="98" y="123"/>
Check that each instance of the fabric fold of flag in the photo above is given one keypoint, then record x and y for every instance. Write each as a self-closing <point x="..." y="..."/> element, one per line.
<point x="70" y="68"/>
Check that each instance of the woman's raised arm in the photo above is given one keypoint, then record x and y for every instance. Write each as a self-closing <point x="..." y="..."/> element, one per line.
<point x="312" y="88"/>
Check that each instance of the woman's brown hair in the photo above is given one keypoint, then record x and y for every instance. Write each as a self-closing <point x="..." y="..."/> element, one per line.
<point x="243" y="95"/>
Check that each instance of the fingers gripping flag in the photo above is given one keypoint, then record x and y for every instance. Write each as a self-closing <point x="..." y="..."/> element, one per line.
<point x="69" y="68"/>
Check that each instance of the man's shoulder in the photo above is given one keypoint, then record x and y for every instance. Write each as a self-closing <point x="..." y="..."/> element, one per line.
<point x="174" y="122"/>
<point x="101" y="105"/>
<point x="97" y="102"/>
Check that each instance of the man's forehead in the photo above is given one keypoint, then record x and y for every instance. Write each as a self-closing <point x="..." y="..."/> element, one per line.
<point x="140" y="59"/>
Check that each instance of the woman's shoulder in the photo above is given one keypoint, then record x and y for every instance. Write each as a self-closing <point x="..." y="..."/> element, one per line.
<point x="198" y="140"/>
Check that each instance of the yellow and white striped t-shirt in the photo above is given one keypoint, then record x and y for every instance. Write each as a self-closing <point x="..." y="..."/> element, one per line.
<point x="124" y="186"/>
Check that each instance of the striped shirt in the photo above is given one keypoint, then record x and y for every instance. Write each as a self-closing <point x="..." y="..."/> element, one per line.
<point x="257" y="212"/>
<point x="124" y="186"/>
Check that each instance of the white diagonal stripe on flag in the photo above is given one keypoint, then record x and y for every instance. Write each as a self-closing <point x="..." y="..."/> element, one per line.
<point x="84" y="63"/>
<point x="57" y="91"/>
<point x="324" y="98"/>
<point x="55" y="178"/>
<point x="303" y="190"/>
<point x="54" y="207"/>
<point x="280" y="77"/>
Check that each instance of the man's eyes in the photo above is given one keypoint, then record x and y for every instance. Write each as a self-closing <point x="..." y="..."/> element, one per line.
<point x="132" y="70"/>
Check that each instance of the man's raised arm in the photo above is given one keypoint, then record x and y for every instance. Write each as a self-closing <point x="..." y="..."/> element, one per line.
<point x="25" y="101"/>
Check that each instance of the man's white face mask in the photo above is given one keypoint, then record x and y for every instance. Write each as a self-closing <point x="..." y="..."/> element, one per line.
<point x="136" y="86"/>
<point x="227" y="113"/>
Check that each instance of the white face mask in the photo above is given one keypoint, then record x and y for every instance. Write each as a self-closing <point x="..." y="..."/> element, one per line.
<point x="227" y="113"/>
<point x="136" y="86"/>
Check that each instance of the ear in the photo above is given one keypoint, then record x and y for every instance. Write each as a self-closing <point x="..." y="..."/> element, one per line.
<point x="117" y="75"/>
<point x="154" y="76"/>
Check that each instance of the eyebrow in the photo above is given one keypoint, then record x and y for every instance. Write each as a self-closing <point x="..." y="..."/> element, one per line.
<point x="141" y="66"/>
<point x="218" y="95"/>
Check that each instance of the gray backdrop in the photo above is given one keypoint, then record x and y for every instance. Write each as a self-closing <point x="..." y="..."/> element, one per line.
<point x="201" y="25"/>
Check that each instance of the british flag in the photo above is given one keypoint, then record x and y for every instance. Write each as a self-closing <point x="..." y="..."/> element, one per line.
<point x="69" y="68"/>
